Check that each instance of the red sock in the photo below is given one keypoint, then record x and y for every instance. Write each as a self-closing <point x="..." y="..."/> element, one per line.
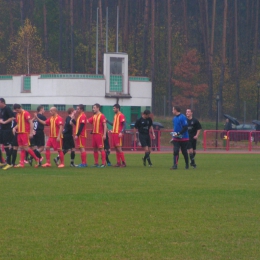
<point x="96" y="157"/>
<point x="84" y="157"/>
<point x="22" y="157"/>
<point x="61" y="155"/>
<point x="118" y="158"/>
<point x="103" y="157"/>
<point x="30" y="151"/>
<point x="48" y="156"/>
<point x="122" y="157"/>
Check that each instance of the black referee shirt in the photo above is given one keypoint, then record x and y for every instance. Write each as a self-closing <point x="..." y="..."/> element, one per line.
<point x="6" y="113"/>
<point x="193" y="126"/>
<point x="68" y="128"/>
<point x="143" y="125"/>
<point x="37" y="126"/>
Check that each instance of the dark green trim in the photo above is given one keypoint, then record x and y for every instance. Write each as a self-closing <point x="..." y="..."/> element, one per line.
<point x="71" y="76"/>
<point x="6" y="77"/>
<point x="132" y="78"/>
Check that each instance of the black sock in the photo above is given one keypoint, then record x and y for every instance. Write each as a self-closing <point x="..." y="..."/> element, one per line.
<point x="147" y="157"/>
<point x="65" y="151"/>
<point x="191" y="158"/>
<point x="186" y="158"/>
<point x="175" y="159"/>
<point x="37" y="153"/>
<point x="194" y="153"/>
<point x="107" y="154"/>
<point x="26" y="155"/>
<point x="14" y="155"/>
<point x="72" y="157"/>
<point x="8" y="155"/>
<point x="1" y="155"/>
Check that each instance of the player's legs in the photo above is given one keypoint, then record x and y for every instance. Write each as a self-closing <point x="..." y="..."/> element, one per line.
<point x="117" y="142"/>
<point x="57" y="146"/>
<point x="107" y="151"/>
<point x="7" y="140"/>
<point x="95" y="149"/>
<point x="39" y="142"/>
<point x="30" y="151"/>
<point x="81" y="144"/>
<point x="66" y="146"/>
<point x="99" y="147"/>
<point x="48" y="153"/>
<point x="190" y="152"/>
<point x="14" y="149"/>
<point x="185" y="153"/>
<point x="176" y="149"/>
<point x="146" y="144"/>
<point x="23" y="142"/>
<point x="194" y="145"/>
<point x="1" y="155"/>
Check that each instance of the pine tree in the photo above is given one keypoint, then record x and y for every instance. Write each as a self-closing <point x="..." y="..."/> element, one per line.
<point x="26" y="52"/>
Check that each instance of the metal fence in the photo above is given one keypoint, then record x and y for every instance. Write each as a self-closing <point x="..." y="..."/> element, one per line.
<point x="231" y="140"/>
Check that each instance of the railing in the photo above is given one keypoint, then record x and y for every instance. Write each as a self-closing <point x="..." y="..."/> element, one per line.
<point x="128" y="141"/>
<point x="231" y="140"/>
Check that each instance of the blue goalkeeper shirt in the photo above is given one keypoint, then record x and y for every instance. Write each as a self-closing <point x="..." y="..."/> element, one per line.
<point x="179" y="122"/>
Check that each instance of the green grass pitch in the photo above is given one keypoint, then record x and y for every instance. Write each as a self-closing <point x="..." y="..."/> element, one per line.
<point x="137" y="212"/>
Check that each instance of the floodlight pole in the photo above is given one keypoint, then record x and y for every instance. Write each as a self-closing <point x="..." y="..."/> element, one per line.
<point x="257" y="107"/>
<point x="217" y="114"/>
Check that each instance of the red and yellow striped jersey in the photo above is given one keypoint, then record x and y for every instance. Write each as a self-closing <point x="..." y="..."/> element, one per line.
<point x="23" y="124"/>
<point x="119" y="118"/>
<point x="82" y="119"/>
<point x="54" y="123"/>
<point x="98" y="121"/>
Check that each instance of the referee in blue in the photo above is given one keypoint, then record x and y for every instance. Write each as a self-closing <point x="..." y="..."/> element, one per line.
<point x="180" y="137"/>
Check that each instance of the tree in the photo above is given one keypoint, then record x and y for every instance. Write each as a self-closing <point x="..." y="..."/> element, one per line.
<point x="26" y="52"/>
<point x="145" y="32"/>
<point x="223" y="61"/>
<point x="237" y="61"/>
<point x="185" y="80"/>
<point x="169" y="25"/>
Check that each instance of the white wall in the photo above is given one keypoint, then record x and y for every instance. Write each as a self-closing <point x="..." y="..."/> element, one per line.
<point x="71" y="91"/>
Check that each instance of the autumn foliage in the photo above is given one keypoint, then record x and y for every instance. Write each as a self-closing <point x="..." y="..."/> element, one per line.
<point x="186" y="86"/>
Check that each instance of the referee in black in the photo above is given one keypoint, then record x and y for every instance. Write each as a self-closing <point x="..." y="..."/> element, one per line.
<point x="68" y="140"/>
<point x="38" y="139"/>
<point x="7" y="116"/>
<point x="144" y="124"/>
<point x="194" y="128"/>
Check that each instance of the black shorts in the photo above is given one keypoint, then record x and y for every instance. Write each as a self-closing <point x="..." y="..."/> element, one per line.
<point x="192" y="144"/>
<point x="145" y="140"/>
<point x="38" y="139"/>
<point x="106" y="144"/>
<point x="7" y="137"/>
<point x="68" y="142"/>
<point x="14" y="141"/>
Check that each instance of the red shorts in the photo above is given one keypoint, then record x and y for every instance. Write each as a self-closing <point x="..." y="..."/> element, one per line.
<point x="53" y="143"/>
<point x="81" y="142"/>
<point x="117" y="141"/>
<point x="23" y="139"/>
<point x="97" y="141"/>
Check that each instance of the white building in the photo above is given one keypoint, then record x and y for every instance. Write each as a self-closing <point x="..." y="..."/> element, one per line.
<point x="134" y="94"/>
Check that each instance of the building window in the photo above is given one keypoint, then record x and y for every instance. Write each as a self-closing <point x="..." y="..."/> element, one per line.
<point x="26" y="84"/>
<point x="10" y="105"/>
<point x="75" y="107"/>
<point x="60" y="107"/>
<point x="26" y="107"/>
<point x="46" y="107"/>
<point x="116" y="83"/>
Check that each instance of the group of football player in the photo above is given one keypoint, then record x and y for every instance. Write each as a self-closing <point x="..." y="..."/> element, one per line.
<point x="20" y="130"/>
